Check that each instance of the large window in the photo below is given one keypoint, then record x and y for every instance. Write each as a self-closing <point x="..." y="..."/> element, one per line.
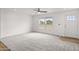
<point x="46" y="21"/>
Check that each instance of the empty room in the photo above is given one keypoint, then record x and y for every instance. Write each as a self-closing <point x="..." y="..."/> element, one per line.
<point x="39" y="29"/>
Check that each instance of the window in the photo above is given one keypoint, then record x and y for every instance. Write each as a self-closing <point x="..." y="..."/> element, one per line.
<point x="46" y="21"/>
<point x="71" y="18"/>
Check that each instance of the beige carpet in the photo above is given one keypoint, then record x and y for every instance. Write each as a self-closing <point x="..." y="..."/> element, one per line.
<point x="39" y="42"/>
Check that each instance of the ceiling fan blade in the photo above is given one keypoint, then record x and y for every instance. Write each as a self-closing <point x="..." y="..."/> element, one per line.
<point x="43" y="11"/>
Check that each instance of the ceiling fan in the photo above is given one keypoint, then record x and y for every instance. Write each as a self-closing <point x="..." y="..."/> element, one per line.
<point x="39" y="10"/>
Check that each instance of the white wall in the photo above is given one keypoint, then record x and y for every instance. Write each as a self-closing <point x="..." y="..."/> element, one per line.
<point x="59" y="19"/>
<point x="78" y="24"/>
<point x="0" y="23"/>
<point x="56" y="29"/>
<point x="13" y="23"/>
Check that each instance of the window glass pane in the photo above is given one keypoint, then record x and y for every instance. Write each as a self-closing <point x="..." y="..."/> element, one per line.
<point x="42" y="21"/>
<point x="71" y="18"/>
<point x="49" y="21"/>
